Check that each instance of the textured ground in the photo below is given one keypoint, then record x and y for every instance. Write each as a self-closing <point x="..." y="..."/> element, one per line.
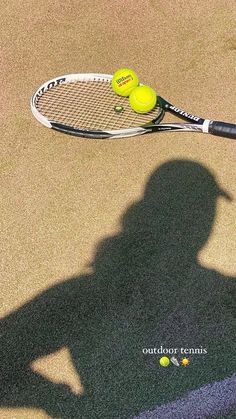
<point x="60" y="196"/>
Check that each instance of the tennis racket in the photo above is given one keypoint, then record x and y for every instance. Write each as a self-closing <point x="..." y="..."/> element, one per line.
<point x="85" y="105"/>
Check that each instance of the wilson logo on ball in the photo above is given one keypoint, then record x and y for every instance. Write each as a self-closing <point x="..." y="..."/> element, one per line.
<point x="124" y="80"/>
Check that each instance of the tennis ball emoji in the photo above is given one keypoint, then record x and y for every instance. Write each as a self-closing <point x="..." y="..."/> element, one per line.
<point x="164" y="361"/>
<point x="143" y="99"/>
<point x="124" y="81"/>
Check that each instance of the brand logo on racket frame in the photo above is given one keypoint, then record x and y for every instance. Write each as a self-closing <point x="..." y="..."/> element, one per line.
<point x="185" y="114"/>
<point x="49" y="86"/>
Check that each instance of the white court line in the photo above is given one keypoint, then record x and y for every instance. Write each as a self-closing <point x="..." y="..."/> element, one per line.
<point x="207" y="402"/>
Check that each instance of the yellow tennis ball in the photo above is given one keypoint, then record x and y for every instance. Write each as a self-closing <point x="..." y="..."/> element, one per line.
<point x="164" y="361"/>
<point x="124" y="81"/>
<point x="143" y="99"/>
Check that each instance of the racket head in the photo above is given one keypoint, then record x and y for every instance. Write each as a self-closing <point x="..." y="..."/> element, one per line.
<point x="85" y="105"/>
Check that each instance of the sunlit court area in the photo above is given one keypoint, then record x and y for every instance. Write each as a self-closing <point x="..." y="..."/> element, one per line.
<point x="118" y="261"/>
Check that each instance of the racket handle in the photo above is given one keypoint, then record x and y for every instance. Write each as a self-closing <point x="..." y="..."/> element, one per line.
<point x="223" y="129"/>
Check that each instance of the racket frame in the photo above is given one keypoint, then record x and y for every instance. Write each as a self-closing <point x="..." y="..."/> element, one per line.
<point x="195" y="123"/>
<point x="57" y="81"/>
<point x="118" y="133"/>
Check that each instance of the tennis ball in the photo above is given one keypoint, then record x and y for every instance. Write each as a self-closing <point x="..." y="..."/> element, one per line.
<point x="143" y="99"/>
<point x="124" y="81"/>
<point x="164" y="361"/>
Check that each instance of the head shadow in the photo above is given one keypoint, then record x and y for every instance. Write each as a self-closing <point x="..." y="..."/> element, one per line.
<point x="174" y="218"/>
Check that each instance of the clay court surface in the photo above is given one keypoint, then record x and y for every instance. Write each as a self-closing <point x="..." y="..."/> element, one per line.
<point x="61" y="195"/>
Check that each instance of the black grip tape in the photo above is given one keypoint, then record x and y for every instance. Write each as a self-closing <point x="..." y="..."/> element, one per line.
<point x="223" y="129"/>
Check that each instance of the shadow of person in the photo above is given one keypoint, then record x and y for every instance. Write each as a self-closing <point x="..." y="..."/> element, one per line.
<point x="148" y="296"/>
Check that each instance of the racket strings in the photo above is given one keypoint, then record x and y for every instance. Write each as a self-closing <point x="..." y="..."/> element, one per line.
<point x="90" y="105"/>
